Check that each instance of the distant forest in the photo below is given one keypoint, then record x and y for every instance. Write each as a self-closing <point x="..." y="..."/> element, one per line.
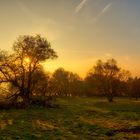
<point x="24" y="82"/>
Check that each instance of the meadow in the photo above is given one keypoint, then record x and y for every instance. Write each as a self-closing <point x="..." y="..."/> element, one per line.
<point x="74" y="119"/>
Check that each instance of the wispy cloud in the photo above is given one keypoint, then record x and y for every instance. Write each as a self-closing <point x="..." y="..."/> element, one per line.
<point x="80" y="6"/>
<point x="102" y="12"/>
<point x="105" y="9"/>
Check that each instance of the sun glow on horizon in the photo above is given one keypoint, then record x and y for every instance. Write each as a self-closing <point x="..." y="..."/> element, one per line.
<point x="80" y="31"/>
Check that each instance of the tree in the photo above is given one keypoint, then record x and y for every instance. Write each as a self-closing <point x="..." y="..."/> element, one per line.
<point x="107" y="78"/>
<point x="92" y="85"/>
<point x="135" y="87"/>
<point x="66" y="83"/>
<point x="60" y="82"/>
<point x="18" y="68"/>
<point x="76" y="85"/>
<point x="40" y="83"/>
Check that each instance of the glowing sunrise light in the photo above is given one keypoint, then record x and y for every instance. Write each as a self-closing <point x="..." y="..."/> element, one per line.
<point x="27" y="60"/>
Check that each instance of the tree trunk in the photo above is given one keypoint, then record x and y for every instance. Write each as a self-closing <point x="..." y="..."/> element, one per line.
<point x="136" y="98"/>
<point x="110" y="98"/>
<point x="26" y="100"/>
<point x="26" y="97"/>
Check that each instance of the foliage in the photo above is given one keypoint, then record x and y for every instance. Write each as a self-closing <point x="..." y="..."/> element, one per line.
<point x="134" y="87"/>
<point x="20" y="67"/>
<point x="107" y="78"/>
<point x="24" y="80"/>
<point x="66" y="83"/>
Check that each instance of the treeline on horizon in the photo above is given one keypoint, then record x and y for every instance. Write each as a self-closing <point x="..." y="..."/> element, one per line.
<point x="24" y="82"/>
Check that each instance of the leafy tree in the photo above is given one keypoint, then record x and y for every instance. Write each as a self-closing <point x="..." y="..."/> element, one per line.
<point x="60" y="82"/>
<point x="76" y="85"/>
<point x="92" y="85"/>
<point x="134" y="85"/>
<point x="40" y="83"/>
<point x="66" y="83"/>
<point x="19" y="67"/>
<point x="107" y="78"/>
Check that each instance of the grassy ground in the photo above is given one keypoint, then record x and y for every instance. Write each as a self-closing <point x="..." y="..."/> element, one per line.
<point x="75" y="119"/>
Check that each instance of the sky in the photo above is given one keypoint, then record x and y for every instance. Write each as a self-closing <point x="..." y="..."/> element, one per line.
<point x="80" y="31"/>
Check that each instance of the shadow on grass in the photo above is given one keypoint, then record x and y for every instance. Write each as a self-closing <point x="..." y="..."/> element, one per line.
<point x="134" y="130"/>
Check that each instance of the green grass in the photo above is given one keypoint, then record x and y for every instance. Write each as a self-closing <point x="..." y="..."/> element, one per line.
<point x="75" y="119"/>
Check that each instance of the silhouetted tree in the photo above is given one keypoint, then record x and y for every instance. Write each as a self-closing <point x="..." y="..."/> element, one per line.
<point x="106" y="78"/>
<point x="19" y="67"/>
<point x="66" y="83"/>
<point x="76" y="85"/>
<point x="135" y="88"/>
<point x="60" y="82"/>
<point x="40" y="83"/>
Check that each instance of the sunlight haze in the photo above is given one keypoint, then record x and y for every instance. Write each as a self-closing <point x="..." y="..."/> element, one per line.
<point x="80" y="31"/>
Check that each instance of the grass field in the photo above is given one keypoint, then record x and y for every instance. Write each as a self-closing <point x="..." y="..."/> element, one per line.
<point x="74" y="119"/>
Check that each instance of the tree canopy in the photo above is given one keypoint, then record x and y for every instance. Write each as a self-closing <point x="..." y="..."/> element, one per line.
<point x="18" y="68"/>
<point x="107" y="78"/>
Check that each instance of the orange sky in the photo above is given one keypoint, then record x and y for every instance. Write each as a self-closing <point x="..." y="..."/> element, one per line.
<point x="80" y="31"/>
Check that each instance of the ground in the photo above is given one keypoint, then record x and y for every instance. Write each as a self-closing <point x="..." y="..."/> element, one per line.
<point x="74" y="119"/>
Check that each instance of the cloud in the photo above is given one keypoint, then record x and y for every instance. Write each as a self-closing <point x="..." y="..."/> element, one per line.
<point x="80" y="6"/>
<point x="102" y="12"/>
<point x="105" y="9"/>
